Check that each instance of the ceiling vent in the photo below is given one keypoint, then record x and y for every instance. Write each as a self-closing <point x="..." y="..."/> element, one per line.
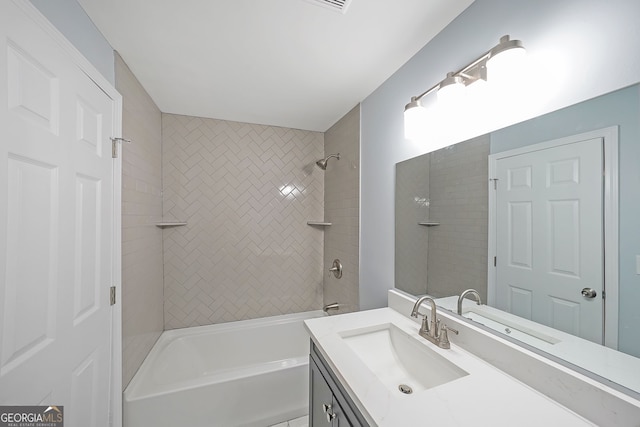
<point x="335" y="5"/>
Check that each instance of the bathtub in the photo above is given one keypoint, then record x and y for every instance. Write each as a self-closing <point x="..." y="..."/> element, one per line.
<point x="250" y="373"/>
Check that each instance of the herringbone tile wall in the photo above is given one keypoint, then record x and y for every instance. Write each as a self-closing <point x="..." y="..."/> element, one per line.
<point x="246" y="191"/>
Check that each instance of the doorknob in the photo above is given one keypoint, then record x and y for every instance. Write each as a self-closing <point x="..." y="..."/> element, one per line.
<point x="589" y="293"/>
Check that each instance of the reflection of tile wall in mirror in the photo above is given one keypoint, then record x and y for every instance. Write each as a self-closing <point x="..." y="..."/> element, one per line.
<point x="446" y="259"/>
<point x="458" y="182"/>
<point x="412" y="207"/>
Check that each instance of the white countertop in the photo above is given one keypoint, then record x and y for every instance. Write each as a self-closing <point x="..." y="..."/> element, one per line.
<point x="485" y="397"/>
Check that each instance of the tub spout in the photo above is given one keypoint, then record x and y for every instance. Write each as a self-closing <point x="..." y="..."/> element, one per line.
<point x="332" y="306"/>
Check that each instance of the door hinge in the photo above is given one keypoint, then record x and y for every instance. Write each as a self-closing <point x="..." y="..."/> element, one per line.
<point x="604" y="295"/>
<point x="495" y="183"/>
<point x="112" y="295"/>
<point x="495" y="261"/>
<point x="114" y="146"/>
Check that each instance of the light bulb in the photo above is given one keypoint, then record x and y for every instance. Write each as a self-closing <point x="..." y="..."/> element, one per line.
<point x="505" y="63"/>
<point x="451" y="92"/>
<point x="415" y="120"/>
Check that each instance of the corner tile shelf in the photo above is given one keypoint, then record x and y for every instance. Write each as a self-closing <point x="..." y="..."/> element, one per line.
<point x="319" y="223"/>
<point x="429" y="223"/>
<point x="166" y="224"/>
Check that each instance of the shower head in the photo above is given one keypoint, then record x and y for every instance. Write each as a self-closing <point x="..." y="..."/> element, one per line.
<point x="322" y="164"/>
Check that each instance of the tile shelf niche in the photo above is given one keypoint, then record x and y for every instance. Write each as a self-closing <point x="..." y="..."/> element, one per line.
<point x="165" y="224"/>
<point x="319" y="223"/>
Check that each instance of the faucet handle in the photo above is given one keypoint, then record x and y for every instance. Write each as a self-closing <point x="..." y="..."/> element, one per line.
<point x="443" y="337"/>
<point x="446" y="328"/>
<point x="425" y="322"/>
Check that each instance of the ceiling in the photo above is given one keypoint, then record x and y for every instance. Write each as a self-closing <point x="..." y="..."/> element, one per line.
<point x="289" y="63"/>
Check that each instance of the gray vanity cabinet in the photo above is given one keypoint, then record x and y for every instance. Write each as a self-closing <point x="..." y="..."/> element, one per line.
<point x="329" y="405"/>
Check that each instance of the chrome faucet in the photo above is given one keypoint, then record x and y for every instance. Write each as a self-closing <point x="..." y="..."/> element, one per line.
<point x="464" y="294"/>
<point x="431" y="330"/>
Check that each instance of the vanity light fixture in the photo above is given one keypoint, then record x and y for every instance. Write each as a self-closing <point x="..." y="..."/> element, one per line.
<point x="495" y="64"/>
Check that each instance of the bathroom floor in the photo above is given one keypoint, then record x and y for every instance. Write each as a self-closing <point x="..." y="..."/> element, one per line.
<point x="298" y="422"/>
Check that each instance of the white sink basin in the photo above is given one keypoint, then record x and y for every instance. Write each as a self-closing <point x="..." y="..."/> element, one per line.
<point x="398" y="359"/>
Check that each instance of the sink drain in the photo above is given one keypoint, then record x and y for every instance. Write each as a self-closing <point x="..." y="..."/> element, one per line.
<point x="405" y="389"/>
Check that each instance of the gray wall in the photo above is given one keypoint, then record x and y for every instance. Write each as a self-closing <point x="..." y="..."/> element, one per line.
<point x="142" y="282"/>
<point x="582" y="36"/>
<point x="622" y="109"/>
<point x="341" y="208"/>
<point x="72" y="21"/>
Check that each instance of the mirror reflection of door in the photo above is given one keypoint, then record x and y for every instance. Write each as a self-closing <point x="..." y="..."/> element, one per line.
<point x="549" y="237"/>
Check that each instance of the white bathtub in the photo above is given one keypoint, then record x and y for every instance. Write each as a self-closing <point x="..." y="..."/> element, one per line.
<point x="251" y="373"/>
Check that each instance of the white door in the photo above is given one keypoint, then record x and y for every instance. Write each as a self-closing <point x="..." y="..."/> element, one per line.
<point x="56" y="227"/>
<point x="549" y="237"/>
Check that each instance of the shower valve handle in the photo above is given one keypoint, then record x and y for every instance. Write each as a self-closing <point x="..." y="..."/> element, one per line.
<point x="336" y="268"/>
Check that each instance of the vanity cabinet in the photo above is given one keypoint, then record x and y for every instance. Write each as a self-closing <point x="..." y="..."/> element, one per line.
<point x="329" y="404"/>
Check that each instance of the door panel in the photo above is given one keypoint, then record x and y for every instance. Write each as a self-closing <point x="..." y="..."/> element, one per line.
<point x="565" y="315"/>
<point x="564" y="237"/>
<point x="31" y="264"/>
<point x="87" y="247"/>
<point x="549" y="236"/>
<point x="84" y="381"/>
<point x="521" y="301"/>
<point x="33" y="89"/>
<point x="520" y="231"/>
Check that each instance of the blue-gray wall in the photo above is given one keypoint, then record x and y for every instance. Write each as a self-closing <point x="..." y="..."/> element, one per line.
<point x="592" y="44"/>
<point x="72" y="21"/>
<point x="620" y="108"/>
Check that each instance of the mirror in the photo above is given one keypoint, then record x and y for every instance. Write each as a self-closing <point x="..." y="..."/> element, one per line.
<point x="443" y="236"/>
